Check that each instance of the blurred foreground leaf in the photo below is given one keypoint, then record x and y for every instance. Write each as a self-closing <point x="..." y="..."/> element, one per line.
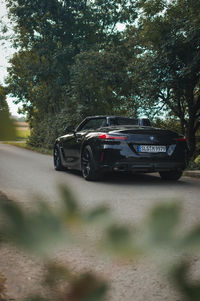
<point x="71" y="206"/>
<point x="56" y="273"/>
<point x="45" y="228"/>
<point x="162" y="224"/>
<point x="121" y="241"/>
<point x="189" y="289"/>
<point x="192" y="239"/>
<point x="39" y="231"/>
<point x="87" y="288"/>
<point x="99" y="213"/>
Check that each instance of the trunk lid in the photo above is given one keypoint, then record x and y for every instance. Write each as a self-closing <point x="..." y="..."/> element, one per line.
<point x="145" y="135"/>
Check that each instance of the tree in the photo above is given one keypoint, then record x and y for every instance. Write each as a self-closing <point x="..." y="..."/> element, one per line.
<point x="170" y="37"/>
<point x="3" y="103"/>
<point x="7" y="131"/>
<point x="48" y="37"/>
<point x="99" y="83"/>
<point x="72" y="61"/>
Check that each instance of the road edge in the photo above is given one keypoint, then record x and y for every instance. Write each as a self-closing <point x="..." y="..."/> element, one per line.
<point x="192" y="173"/>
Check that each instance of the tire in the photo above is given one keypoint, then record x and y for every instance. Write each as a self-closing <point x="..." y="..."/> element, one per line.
<point x="89" y="172"/>
<point x="57" y="159"/>
<point x="170" y="175"/>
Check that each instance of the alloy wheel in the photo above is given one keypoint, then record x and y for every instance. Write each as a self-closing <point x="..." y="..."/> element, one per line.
<point x="86" y="163"/>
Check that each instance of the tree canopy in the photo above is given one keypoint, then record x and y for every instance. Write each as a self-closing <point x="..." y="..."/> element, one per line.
<point x="170" y="34"/>
<point x="72" y="60"/>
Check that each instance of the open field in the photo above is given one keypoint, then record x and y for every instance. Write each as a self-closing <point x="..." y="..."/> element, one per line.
<point x="23" y="144"/>
<point x="22" y="130"/>
<point x="22" y="133"/>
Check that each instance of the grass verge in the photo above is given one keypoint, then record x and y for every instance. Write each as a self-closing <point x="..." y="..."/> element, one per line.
<point x="22" y="134"/>
<point x="23" y="144"/>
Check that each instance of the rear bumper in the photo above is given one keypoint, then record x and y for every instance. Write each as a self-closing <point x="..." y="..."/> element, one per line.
<point x="120" y="158"/>
<point x="144" y="167"/>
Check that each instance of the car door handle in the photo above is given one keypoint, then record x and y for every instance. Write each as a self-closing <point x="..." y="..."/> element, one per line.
<point x="78" y="139"/>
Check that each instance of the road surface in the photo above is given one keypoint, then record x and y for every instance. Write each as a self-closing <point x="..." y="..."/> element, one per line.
<point x="25" y="174"/>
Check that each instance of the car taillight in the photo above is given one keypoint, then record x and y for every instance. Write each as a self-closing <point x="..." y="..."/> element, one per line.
<point x="110" y="137"/>
<point x="181" y="139"/>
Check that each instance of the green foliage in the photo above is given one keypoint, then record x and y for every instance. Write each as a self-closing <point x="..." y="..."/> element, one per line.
<point x="22" y="134"/>
<point x="169" y="124"/>
<point x="23" y="144"/>
<point x="3" y="103"/>
<point x="85" y="286"/>
<point x="44" y="229"/>
<point x="88" y="288"/>
<point x="45" y="129"/>
<point x="170" y="36"/>
<point x="48" y="37"/>
<point x="72" y="61"/>
<point x="7" y="130"/>
<point x="97" y="84"/>
<point x="197" y="161"/>
<point x="194" y="164"/>
<point x="97" y="214"/>
<point x="190" y="290"/>
<point x="119" y="241"/>
<point x="33" y="231"/>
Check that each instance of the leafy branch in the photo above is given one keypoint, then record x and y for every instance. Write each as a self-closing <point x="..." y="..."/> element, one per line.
<point x="45" y="229"/>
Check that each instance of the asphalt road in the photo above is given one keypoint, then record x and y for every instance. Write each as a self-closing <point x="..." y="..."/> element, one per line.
<point x="25" y="174"/>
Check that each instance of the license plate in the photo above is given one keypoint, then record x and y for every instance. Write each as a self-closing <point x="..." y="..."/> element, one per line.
<point x="152" y="149"/>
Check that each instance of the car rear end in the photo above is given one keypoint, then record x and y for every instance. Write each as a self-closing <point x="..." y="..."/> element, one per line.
<point x="142" y="150"/>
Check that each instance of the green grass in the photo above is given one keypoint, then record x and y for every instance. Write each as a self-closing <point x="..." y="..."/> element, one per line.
<point x="23" y="144"/>
<point x="22" y="133"/>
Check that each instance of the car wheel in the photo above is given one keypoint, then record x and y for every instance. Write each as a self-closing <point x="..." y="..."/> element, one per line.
<point x="57" y="159"/>
<point x="170" y="175"/>
<point x="89" y="172"/>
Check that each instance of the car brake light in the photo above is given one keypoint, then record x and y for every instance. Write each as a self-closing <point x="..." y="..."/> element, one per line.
<point x="181" y="139"/>
<point x="110" y="137"/>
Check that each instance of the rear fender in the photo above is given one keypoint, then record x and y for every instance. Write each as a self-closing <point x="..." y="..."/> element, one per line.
<point x="94" y="145"/>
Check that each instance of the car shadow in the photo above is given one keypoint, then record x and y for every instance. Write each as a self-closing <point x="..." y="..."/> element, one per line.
<point x="123" y="178"/>
<point x="139" y="179"/>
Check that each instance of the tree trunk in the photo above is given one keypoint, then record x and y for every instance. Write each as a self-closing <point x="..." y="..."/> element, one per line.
<point x="191" y="136"/>
<point x="191" y="121"/>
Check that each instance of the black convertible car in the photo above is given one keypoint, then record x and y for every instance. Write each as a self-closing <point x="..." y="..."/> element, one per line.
<point x="113" y="143"/>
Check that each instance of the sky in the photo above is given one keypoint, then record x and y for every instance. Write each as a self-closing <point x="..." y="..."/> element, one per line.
<point x="6" y="52"/>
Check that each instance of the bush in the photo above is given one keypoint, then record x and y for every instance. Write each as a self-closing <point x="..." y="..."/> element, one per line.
<point x="45" y="130"/>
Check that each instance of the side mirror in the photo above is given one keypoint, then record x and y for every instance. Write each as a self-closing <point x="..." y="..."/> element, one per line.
<point x="69" y="129"/>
